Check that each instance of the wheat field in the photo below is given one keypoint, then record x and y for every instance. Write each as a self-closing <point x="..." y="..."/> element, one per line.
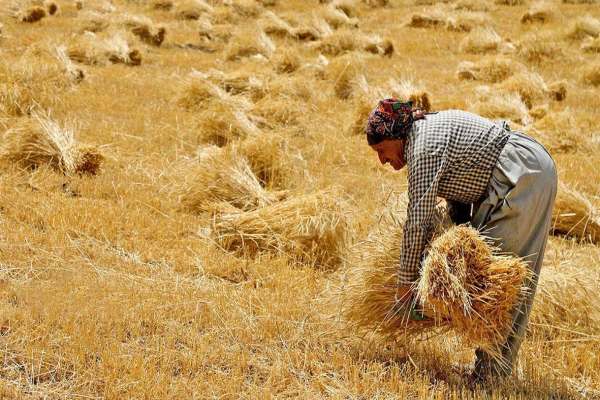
<point x="181" y="182"/>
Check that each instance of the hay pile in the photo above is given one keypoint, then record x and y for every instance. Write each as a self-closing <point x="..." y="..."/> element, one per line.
<point x="407" y="89"/>
<point x="38" y="141"/>
<point x="145" y="30"/>
<point x="222" y="122"/>
<point x="583" y="27"/>
<point x="591" y="75"/>
<point x="574" y="214"/>
<point x="346" y="73"/>
<point x="249" y="42"/>
<point x="591" y="45"/>
<point x="463" y="286"/>
<point x="310" y="229"/>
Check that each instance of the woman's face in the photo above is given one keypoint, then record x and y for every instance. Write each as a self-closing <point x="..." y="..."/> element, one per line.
<point x="391" y="151"/>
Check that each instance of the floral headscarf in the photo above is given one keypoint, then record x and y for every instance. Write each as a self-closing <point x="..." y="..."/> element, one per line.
<point x="391" y="119"/>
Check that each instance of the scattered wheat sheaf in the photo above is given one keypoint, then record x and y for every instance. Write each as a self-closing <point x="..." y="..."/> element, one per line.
<point x="189" y="208"/>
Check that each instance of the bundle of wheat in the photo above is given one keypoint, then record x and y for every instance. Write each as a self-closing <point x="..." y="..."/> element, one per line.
<point x="198" y="91"/>
<point x="464" y="283"/>
<point x="52" y="7"/>
<point x="510" y="2"/>
<point x="268" y="158"/>
<point x="499" y="104"/>
<point x="336" y="18"/>
<point x="481" y="40"/>
<point x="591" y="74"/>
<point x="287" y="61"/>
<point x="376" y="3"/>
<point x="583" y="27"/>
<point x="91" y="21"/>
<point x="272" y="24"/>
<point x="466" y="21"/>
<point x="539" y="13"/>
<point x="249" y="42"/>
<point x="221" y="122"/>
<point x="145" y="29"/>
<point x="567" y="298"/>
<point x="311" y="229"/>
<point x="490" y="69"/>
<point x="473" y="5"/>
<point x="163" y="5"/>
<point x="591" y="45"/>
<point x="574" y="214"/>
<point x="217" y="178"/>
<point x="529" y="85"/>
<point x="92" y="50"/>
<point x="340" y="42"/>
<point x="31" y="14"/>
<point x="75" y="73"/>
<point x="192" y="9"/>
<point x="377" y="45"/>
<point x="40" y="141"/>
<point x="537" y="47"/>
<point x="408" y="90"/>
<point x="345" y="73"/>
<point x="433" y="19"/>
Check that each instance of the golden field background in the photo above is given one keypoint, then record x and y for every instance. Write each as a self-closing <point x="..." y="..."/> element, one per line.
<point x="112" y="285"/>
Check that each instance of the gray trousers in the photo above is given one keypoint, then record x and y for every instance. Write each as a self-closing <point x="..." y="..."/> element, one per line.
<point x="517" y="214"/>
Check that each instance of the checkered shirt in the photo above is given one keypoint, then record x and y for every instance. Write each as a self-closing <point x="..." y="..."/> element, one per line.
<point x="450" y="154"/>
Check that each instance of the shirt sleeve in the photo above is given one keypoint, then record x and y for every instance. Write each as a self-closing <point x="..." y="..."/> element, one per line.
<point x="424" y="173"/>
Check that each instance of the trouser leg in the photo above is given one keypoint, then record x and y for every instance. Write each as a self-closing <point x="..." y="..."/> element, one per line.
<point x="517" y="216"/>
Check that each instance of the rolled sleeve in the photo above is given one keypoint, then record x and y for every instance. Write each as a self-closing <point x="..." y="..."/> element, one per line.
<point x="424" y="174"/>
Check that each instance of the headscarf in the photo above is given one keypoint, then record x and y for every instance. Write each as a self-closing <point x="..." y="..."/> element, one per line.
<point x="391" y="119"/>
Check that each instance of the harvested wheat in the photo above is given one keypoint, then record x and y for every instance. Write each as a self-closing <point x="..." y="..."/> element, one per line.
<point x="340" y="42"/>
<point x="192" y="9"/>
<point x="92" y="50"/>
<point x="221" y="177"/>
<point x="480" y="40"/>
<point x="198" y="91"/>
<point x="41" y="141"/>
<point x="287" y="61"/>
<point x="556" y="132"/>
<point x="464" y="283"/>
<point x="474" y="5"/>
<point x="466" y="21"/>
<point x="249" y="42"/>
<point x="583" y="27"/>
<point x="272" y="24"/>
<point x="491" y="69"/>
<point x="31" y="14"/>
<point x="348" y="7"/>
<point x="221" y="122"/>
<point x="497" y="104"/>
<point x="539" y="13"/>
<point x="345" y="73"/>
<point x="376" y="45"/>
<point x="538" y="47"/>
<point x="510" y="2"/>
<point x="268" y="158"/>
<point x="337" y="19"/>
<point x="163" y="5"/>
<point x="311" y="229"/>
<point x="591" y="45"/>
<point x="567" y="297"/>
<point x="376" y="3"/>
<point x="433" y="19"/>
<point x="149" y="34"/>
<point x="75" y="73"/>
<point x="575" y="214"/>
<point x="591" y="74"/>
<point x="529" y="85"/>
<point x="52" y="7"/>
<point x="408" y="90"/>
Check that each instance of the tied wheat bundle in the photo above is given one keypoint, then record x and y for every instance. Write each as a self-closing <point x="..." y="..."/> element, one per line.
<point x="41" y="141"/>
<point x="222" y="177"/>
<point x="575" y="215"/>
<point x="310" y="229"/>
<point x="462" y="282"/>
<point x="408" y="90"/>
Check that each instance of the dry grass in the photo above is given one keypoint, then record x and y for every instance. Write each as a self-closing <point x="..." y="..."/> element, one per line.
<point x="311" y="229"/>
<point x="576" y="215"/>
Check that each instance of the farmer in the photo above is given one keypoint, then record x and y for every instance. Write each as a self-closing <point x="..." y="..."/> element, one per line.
<point x="502" y="182"/>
